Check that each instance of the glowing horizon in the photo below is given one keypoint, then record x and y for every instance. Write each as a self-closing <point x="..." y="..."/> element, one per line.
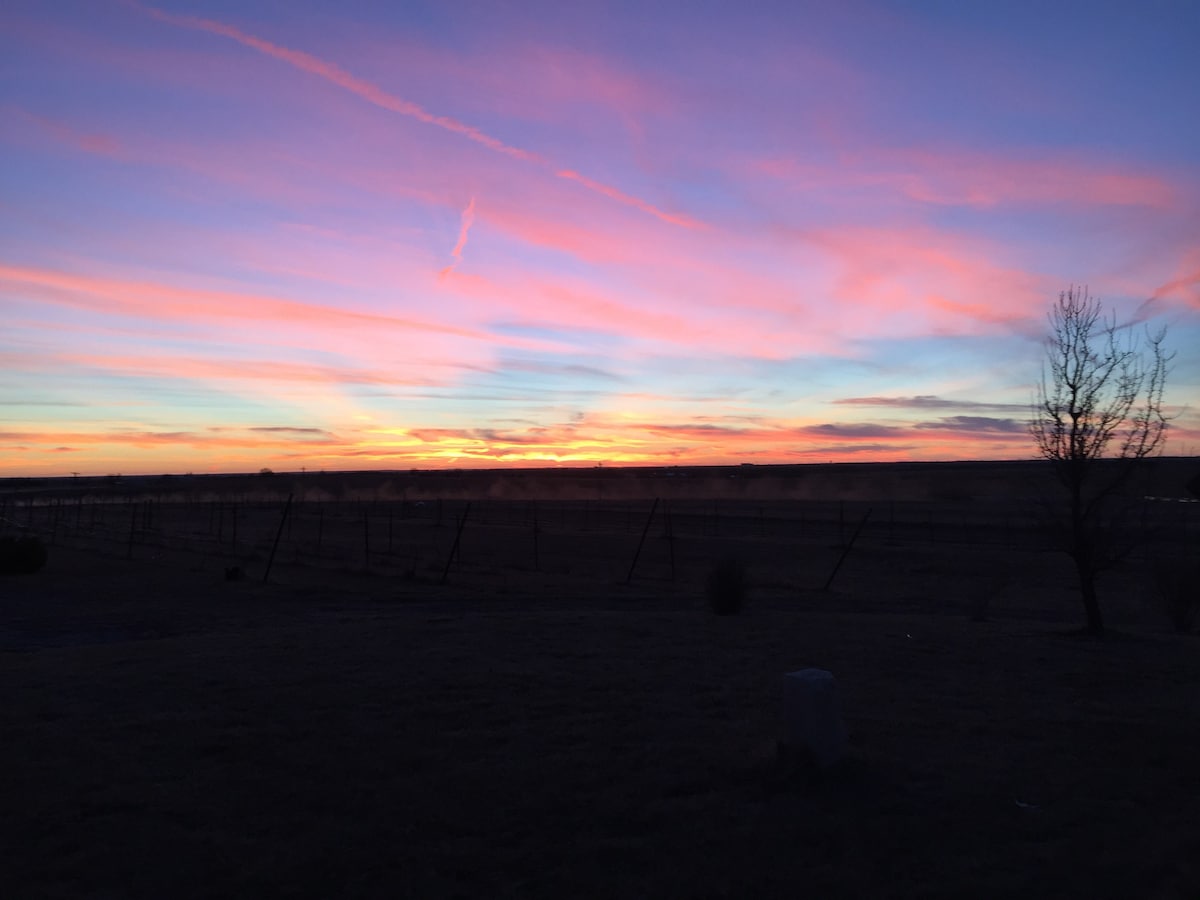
<point x="575" y="235"/>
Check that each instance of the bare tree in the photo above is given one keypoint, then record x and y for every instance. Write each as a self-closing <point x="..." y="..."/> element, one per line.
<point x="1098" y="412"/>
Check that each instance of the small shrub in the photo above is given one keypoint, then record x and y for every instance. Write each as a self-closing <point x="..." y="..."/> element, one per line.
<point x="21" y="555"/>
<point x="726" y="586"/>
<point x="1177" y="587"/>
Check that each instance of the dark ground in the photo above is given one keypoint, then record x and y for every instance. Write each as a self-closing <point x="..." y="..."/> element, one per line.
<point x="567" y="731"/>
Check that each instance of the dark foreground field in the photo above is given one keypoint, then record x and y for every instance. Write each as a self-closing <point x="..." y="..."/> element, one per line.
<point x="347" y="733"/>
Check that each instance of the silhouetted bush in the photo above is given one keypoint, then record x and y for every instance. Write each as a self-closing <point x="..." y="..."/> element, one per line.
<point x="21" y="555"/>
<point x="726" y="586"/>
<point x="1177" y="587"/>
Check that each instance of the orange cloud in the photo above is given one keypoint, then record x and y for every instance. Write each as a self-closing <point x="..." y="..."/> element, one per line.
<point x="136" y="438"/>
<point x="626" y="439"/>
<point x="582" y="439"/>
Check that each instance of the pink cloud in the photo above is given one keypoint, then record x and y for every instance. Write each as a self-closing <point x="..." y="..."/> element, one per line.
<point x="968" y="178"/>
<point x="766" y="288"/>
<point x="518" y="78"/>
<point x="87" y="142"/>
<point x="628" y="200"/>
<point x="264" y="165"/>
<point x="468" y="217"/>
<point x="162" y="301"/>
<point x="773" y="294"/>
<point x="599" y="233"/>
<point x="374" y="94"/>
<point x="402" y="349"/>
<point x="596" y="238"/>
<point x="671" y="324"/>
<point x="782" y="293"/>
<point x="258" y="169"/>
<point x="911" y="281"/>
<point x="978" y="180"/>
<point x="576" y="305"/>
<point x="1184" y="287"/>
<point x="240" y="370"/>
<point x="343" y="79"/>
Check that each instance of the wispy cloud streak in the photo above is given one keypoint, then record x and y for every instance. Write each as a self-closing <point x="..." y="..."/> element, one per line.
<point x="468" y="218"/>
<point x="343" y="79"/>
<point x="99" y="144"/>
<point x="926" y="401"/>
<point x="372" y="93"/>
<point x="168" y="302"/>
<point x="628" y="200"/>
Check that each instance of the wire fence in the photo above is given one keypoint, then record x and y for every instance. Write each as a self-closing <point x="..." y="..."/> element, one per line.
<point x="609" y="540"/>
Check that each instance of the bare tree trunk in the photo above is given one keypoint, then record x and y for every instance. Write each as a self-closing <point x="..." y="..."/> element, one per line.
<point x="1087" y="587"/>
<point x="1082" y="554"/>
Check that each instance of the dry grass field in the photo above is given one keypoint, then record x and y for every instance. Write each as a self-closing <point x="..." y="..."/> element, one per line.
<point x="551" y="725"/>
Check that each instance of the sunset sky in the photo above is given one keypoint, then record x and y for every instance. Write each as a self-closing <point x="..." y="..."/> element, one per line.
<point x="238" y="234"/>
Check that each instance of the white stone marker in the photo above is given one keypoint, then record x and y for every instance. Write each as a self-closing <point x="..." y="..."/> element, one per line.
<point x="812" y="717"/>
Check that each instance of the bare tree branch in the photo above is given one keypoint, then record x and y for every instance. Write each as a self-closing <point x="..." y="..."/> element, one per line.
<point x="1101" y="387"/>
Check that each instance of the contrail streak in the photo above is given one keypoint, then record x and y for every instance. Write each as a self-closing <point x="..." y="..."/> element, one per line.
<point x="374" y="94"/>
<point x="468" y="217"/>
<point x="343" y="79"/>
<point x="628" y="200"/>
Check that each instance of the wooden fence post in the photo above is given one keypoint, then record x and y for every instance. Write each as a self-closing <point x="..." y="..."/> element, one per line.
<point x="275" y="546"/>
<point x="846" y="550"/>
<point x="366" y="539"/>
<point x="132" y="529"/>
<point x="641" y="541"/>
<point x="457" y="539"/>
<point x="670" y="537"/>
<point x="536" y="531"/>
